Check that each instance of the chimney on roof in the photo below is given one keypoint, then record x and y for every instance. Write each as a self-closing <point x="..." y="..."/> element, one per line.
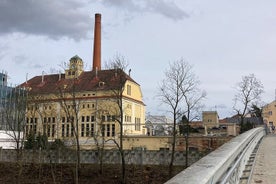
<point x="42" y="77"/>
<point x="97" y="43"/>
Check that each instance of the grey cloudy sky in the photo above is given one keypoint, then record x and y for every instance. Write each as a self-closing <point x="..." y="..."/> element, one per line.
<point x="223" y="40"/>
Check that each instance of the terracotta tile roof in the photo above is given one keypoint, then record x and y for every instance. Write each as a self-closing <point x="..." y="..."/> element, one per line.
<point x="87" y="81"/>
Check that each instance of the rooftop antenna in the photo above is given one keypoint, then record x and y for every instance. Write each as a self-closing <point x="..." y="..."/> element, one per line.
<point x="129" y="72"/>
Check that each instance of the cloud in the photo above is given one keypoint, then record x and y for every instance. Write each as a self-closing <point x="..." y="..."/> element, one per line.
<point x="24" y="61"/>
<point x="20" y="60"/>
<point x="3" y="49"/>
<point x="53" y="19"/>
<point x="163" y="7"/>
<point x="167" y="9"/>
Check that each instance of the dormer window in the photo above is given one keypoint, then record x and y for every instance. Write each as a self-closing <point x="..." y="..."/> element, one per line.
<point x="101" y="84"/>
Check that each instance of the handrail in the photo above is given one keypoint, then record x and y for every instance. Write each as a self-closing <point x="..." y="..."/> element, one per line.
<point x="225" y="164"/>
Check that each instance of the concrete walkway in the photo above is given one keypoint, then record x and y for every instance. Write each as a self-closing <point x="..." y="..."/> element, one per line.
<point x="264" y="170"/>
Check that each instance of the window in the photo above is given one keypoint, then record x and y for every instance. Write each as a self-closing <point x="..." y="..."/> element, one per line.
<point x="270" y="113"/>
<point x="87" y="118"/>
<point x="87" y="130"/>
<point x="128" y="89"/>
<point x="127" y="118"/>
<point x="137" y="124"/>
<point x="53" y="119"/>
<point x="67" y="130"/>
<point x="92" y="130"/>
<point x="63" y="119"/>
<point x="53" y="130"/>
<point x="101" y="84"/>
<point x="92" y="118"/>
<point x="108" y="130"/>
<point x="113" y="118"/>
<point x="82" y="119"/>
<point x="34" y="129"/>
<point x="113" y="130"/>
<point x="44" y="129"/>
<point x="72" y="131"/>
<point x="82" y="130"/>
<point x="62" y="130"/>
<point x="48" y="130"/>
<point x="103" y="118"/>
<point x="103" y="130"/>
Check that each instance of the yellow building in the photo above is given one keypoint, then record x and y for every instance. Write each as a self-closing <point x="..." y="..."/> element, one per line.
<point x="90" y="104"/>
<point x="89" y="99"/>
<point x="210" y="119"/>
<point x="269" y="114"/>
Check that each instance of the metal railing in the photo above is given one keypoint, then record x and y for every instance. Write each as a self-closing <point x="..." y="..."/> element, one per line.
<point x="225" y="164"/>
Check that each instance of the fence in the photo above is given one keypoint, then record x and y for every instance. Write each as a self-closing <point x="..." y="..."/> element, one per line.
<point x="141" y="157"/>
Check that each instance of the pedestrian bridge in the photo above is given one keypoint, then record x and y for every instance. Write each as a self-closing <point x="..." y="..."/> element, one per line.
<point x="247" y="158"/>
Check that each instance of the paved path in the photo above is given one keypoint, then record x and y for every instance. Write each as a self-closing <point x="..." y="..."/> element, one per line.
<point x="264" y="171"/>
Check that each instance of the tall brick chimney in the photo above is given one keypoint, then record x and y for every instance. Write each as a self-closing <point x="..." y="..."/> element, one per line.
<point x="97" y="43"/>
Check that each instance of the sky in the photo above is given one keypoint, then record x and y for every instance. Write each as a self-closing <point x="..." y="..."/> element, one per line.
<point x="223" y="40"/>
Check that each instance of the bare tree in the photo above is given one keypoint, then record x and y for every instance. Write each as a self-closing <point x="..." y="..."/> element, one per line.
<point x="249" y="91"/>
<point x="13" y="111"/>
<point x="71" y="107"/>
<point x="177" y="91"/>
<point x="192" y="105"/>
<point x="98" y="136"/>
<point x="119" y="64"/>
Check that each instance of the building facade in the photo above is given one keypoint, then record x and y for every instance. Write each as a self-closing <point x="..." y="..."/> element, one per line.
<point x="86" y="102"/>
<point x="210" y="119"/>
<point x="269" y="114"/>
<point x="159" y="125"/>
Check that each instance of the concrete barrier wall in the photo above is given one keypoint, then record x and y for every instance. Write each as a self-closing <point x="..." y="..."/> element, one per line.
<point x="215" y="166"/>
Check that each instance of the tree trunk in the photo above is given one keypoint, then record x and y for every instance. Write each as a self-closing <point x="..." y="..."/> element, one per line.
<point x="173" y="146"/>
